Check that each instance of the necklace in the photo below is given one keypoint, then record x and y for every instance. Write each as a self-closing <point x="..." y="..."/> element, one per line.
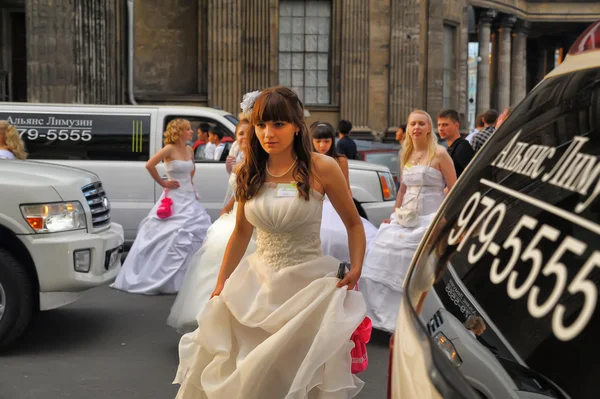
<point x="416" y="160"/>
<point x="284" y="173"/>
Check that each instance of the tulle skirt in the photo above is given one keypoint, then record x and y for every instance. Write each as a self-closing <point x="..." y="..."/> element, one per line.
<point x="163" y="248"/>
<point x="274" y="333"/>
<point x="202" y="273"/>
<point x="385" y="267"/>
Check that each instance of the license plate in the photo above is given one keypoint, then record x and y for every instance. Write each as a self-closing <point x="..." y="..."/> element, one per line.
<point x="112" y="257"/>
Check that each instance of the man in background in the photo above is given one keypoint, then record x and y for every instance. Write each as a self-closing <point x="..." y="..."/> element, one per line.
<point x="459" y="149"/>
<point x="346" y="146"/>
<point x="489" y="127"/>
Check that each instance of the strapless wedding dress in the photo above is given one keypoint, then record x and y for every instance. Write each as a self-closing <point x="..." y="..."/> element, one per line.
<point x="389" y="257"/>
<point x="163" y="248"/>
<point x="280" y="328"/>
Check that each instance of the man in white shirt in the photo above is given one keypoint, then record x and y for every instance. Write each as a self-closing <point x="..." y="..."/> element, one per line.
<point x="209" y="149"/>
<point x="215" y="135"/>
<point x="478" y="127"/>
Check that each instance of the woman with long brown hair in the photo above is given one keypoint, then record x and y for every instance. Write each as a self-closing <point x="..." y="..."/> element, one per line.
<point x="280" y="321"/>
<point x="426" y="170"/>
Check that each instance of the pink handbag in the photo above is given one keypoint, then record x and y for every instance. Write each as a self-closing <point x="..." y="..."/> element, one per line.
<point x="360" y="337"/>
<point x="164" y="209"/>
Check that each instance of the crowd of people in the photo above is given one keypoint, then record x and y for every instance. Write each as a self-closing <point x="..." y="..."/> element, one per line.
<point x="270" y="294"/>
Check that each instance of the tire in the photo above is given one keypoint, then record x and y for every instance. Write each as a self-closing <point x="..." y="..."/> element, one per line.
<point x="16" y="297"/>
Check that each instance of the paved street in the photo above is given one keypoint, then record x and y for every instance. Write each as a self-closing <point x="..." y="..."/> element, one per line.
<point x="115" y="345"/>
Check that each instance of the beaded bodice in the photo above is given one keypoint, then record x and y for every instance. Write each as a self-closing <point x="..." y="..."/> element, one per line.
<point x="288" y="228"/>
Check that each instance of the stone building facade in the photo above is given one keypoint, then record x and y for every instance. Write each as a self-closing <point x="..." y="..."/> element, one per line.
<point x="370" y="61"/>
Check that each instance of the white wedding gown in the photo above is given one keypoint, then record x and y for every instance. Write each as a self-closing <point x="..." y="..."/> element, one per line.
<point x="157" y="261"/>
<point x="334" y="236"/>
<point x="203" y="270"/>
<point x="389" y="257"/>
<point x="280" y="328"/>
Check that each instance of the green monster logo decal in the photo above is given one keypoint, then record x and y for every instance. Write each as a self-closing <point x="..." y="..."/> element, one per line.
<point x="136" y="135"/>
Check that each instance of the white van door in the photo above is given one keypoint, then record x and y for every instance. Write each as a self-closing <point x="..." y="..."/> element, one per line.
<point x="211" y="178"/>
<point x="112" y="142"/>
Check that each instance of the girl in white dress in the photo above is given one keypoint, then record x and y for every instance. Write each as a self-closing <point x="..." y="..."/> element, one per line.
<point x="426" y="170"/>
<point x="201" y="277"/>
<point x="157" y="261"/>
<point x="279" y="322"/>
<point x="334" y="240"/>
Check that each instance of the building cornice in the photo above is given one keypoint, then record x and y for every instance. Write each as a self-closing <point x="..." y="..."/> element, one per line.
<point x="571" y="11"/>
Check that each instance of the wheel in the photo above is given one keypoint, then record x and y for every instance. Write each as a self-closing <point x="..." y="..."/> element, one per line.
<point x="16" y="298"/>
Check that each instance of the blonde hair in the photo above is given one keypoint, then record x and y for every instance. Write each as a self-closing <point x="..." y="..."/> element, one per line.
<point x="408" y="146"/>
<point x="175" y="130"/>
<point x="12" y="141"/>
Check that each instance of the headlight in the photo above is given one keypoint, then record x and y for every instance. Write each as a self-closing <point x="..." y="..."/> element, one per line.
<point x="50" y="218"/>
<point x="448" y="348"/>
<point x="388" y="188"/>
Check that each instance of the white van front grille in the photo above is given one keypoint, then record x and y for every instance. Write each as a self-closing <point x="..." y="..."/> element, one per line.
<point x="98" y="203"/>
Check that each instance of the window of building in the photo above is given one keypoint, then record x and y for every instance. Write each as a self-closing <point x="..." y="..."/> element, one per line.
<point x="449" y="65"/>
<point x="304" y="49"/>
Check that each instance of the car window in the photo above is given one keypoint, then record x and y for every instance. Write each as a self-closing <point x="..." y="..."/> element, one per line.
<point x="83" y="137"/>
<point x="518" y="242"/>
<point x="389" y="159"/>
<point x="199" y="146"/>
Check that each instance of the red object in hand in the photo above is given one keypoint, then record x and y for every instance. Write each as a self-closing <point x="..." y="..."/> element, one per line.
<point x="360" y="337"/>
<point x="164" y="209"/>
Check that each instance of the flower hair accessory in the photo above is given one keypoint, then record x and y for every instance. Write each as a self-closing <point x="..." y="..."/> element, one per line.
<point x="248" y="101"/>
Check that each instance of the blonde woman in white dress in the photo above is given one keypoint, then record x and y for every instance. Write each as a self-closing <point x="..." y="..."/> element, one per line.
<point x="427" y="170"/>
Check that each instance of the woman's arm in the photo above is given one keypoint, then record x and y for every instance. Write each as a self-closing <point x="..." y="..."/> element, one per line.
<point x="191" y="152"/>
<point x="236" y="247"/>
<point x="163" y="153"/>
<point x="400" y="195"/>
<point x="446" y="167"/>
<point x="336" y="188"/>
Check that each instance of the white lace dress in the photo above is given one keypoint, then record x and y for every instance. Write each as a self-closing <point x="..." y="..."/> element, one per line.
<point x="158" y="259"/>
<point x="203" y="270"/>
<point x="387" y="260"/>
<point x="280" y="328"/>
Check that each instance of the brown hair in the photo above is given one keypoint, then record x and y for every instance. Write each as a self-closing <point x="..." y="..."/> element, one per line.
<point x="174" y="131"/>
<point x="12" y="141"/>
<point x="449" y="114"/>
<point x="275" y="104"/>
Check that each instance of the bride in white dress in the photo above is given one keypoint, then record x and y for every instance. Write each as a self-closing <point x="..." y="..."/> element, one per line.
<point x="157" y="261"/>
<point x="334" y="240"/>
<point x="279" y="322"/>
<point x="426" y="170"/>
<point x="201" y="277"/>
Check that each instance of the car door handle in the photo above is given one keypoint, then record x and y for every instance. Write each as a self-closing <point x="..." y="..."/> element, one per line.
<point x="164" y="177"/>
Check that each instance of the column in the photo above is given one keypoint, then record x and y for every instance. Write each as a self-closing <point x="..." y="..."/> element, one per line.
<point x="483" y="66"/>
<point x="504" y="56"/>
<point x="355" y="62"/>
<point x="404" y="60"/>
<point x="518" y="74"/>
<point x="224" y="54"/>
<point x="73" y="51"/>
<point x="259" y="44"/>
